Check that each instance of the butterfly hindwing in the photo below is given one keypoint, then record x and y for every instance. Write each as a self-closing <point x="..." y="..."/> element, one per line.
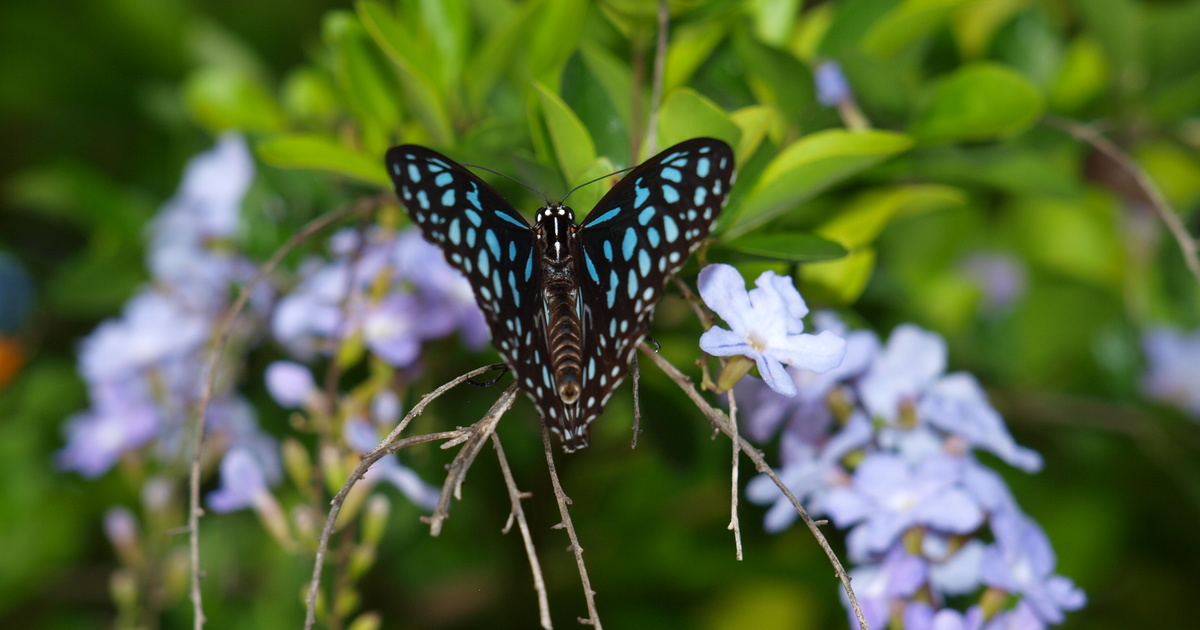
<point x="639" y="234"/>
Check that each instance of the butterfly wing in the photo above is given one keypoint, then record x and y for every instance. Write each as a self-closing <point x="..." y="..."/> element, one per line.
<point x="487" y="240"/>
<point x="640" y="233"/>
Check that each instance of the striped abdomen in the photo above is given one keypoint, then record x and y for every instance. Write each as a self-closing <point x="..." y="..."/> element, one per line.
<point x="560" y="299"/>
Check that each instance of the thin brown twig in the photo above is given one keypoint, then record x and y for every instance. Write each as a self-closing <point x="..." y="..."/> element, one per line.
<point x="636" y="375"/>
<point x="475" y="438"/>
<point x="689" y="296"/>
<point x="223" y="331"/>
<point x="419" y="408"/>
<point x="518" y="514"/>
<point x="1089" y="134"/>
<point x="563" y="501"/>
<point x="721" y="422"/>
<point x="335" y="508"/>
<point x="734" y="525"/>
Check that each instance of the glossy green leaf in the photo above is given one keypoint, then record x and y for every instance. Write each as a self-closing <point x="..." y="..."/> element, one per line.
<point x="907" y="23"/>
<point x="979" y="101"/>
<point x="420" y="92"/>
<point x="975" y="24"/>
<point x="686" y="114"/>
<point x="807" y="167"/>
<point x="223" y="98"/>
<point x="495" y="55"/>
<point x="555" y="33"/>
<point x="1082" y="75"/>
<point x="1078" y="240"/>
<point x="690" y="46"/>
<point x="799" y="247"/>
<point x="755" y="122"/>
<point x="777" y="78"/>
<point x="309" y="97"/>
<point x="571" y="141"/>
<point x="774" y="21"/>
<point x="614" y="76"/>
<point x="861" y="220"/>
<point x="363" y="78"/>
<point x="839" y="281"/>
<point x="446" y="24"/>
<point x="321" y="153"/>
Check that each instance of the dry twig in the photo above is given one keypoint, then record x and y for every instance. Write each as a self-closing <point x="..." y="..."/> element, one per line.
<point x="518" y="514"/>
<point x="563" y="501"/>
<point x="223" y="331"/>
<point x="722" y="423"/>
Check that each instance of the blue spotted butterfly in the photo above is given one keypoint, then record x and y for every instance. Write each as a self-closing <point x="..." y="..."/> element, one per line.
<point x="568" y="303"/>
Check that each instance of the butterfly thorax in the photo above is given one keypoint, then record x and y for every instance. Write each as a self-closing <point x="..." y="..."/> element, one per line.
<point x="561" y="305"/>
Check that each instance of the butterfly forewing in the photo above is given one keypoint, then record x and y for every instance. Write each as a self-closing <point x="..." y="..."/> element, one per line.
<point x="642" y="231"/>
<point x="482" y="236"/>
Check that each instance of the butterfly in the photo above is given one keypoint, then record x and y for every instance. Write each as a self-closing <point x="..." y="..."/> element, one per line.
<point x="567" y="304"/>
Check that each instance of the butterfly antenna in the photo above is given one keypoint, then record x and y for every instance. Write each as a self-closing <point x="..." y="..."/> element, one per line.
<point x="624" y="170"/>
<point x="511" y="179"/>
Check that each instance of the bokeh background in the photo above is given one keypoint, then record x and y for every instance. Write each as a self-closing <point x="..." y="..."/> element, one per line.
<point x="1041" y="262"/>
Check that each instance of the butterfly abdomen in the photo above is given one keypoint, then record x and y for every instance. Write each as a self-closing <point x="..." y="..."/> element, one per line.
<point x="560" y="295"/>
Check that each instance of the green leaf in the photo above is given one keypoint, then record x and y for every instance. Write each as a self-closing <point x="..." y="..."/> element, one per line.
<point x="899" y="28"/>
<point x="777" y="78"/>
<point x="308" y="97"/>
<point x="571" y="141"/>
<point x="687" y="114"/>
<point x="420" y="92"/>
<point x="975" y="24"/>
<point x="321" y="153"/>
<point x="800" y="247"/>
<point x="807" y="167"/>
<point x="979" y="101"/>
<point x="860" y="221"/>
<point x="614" y="76"/>
<point x="1082" y="75"/>
<point x="841" y="281"/>
<point x="774" y="21"/>
<point x="221" y="98"/>
<point x="556" y="33"/>
<point x="755" y="122"/>
<point x="494" y="57"/>
<point x="446" y="24"/>
<point x="363" y="78"/>
<point x="690" y="46"/>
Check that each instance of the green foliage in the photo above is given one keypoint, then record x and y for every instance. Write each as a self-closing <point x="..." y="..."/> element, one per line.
<point x="956" y="159"/>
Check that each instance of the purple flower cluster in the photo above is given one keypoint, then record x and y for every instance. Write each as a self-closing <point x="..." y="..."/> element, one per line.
<point x="396" y="290"/>
<point x="884" y="445"/>
<point x="144" y="370"/>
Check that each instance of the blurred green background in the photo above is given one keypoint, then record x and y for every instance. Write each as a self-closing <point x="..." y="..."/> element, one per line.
<point x="102" y="103"/>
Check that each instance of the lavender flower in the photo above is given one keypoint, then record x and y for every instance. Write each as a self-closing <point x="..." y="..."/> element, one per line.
<point x="144" y="369"/>
<point x="423" y="299"/>
<point x="1001" y="277"/>
<point x="883" y="446"/>
<point x="1173" y="368"/>
<point x="890" y="495"/>
<point x="908" y="374"/>
<point x="1021" y="561"/>
<point x="766" y="326"/>
<point x="290" y="383"/>
<point x="832" y="87"/>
